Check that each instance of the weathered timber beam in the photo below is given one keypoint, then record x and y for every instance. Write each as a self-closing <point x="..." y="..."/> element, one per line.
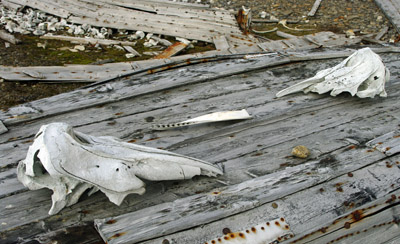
<point x="204" y="208"/>
<point x="358" y="205"/>
<point x="258" y="62"/>
<point x="8" y="37"/>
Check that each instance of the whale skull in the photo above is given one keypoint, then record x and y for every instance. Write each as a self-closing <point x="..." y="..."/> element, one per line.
<point x="69" y="163"/>
<point x="362" y="74"/>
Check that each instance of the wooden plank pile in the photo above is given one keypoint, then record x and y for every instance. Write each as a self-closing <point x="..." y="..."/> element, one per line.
<point x="345" y="191"/>
<point x="93" y="73"/>
<point x="190" y="21"/>
<point x="311" y="41"/>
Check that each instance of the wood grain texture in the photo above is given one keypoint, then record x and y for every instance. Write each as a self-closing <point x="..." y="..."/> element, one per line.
<point x="335" y="129"/>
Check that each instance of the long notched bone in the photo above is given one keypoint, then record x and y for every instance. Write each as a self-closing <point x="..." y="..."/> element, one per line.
<point x="208" y="118"/>
<point x="69" y="162"/>
<point x="269" y="232"/>
<point x="362" y="74"/>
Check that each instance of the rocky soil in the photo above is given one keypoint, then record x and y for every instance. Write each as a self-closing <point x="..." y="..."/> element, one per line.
<point x="339" y="16"/>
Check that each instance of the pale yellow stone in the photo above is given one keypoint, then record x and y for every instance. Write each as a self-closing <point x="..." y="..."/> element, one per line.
<point x="300" y="152"/>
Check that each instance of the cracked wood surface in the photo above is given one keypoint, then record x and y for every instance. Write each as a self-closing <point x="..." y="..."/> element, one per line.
<point x="195" y="22"/>
<point x="335" y="129"/>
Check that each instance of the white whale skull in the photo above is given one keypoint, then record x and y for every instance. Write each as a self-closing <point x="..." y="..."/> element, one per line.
<point x="362" y="74"/>
<point x="69" y="162"/>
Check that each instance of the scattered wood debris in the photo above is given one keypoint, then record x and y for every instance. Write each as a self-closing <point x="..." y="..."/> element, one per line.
<point x="8" y="37"/>
<point x="314" y="8"/>
<point x="317" y="40"/>
<point x="3" y="128"/>
<point x="87" y="40"/>
<point x="391" y="8"/>
<point x="381" y="33"/>
<point x="172" y="50"/>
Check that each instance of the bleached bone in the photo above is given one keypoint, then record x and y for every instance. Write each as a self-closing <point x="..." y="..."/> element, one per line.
<point x="269" y="232"/>
<point x="362" y="74"/>
<point x="208" y="118"/>
<point x="70" y="162"/>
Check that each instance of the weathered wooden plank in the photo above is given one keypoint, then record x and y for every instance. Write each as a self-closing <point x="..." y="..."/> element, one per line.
<point x="391" y="8"/>
<point x="267" y="129"/>
<point x="329" y="39"/>
<point x="10" y="5"/>
<point x="177" y="10"/>
<point x="170" y="3"/>
<point x="394" y="240"/>
<point x="388" y="143"/>
<point x="171" y="50"/>
<point x="257" y="63"/>
<point x="187" y="30"/>
<point x="87" y="95"/>
<point x="3" y="128"/>
<point x="320" y="212"/>
<point x="381" y="33"/>
<point x="188" y="212"/>
<point x="86" y="40"/>
<point x="45" y="7"/>
<point x="76" y="73"/>
<point x="285" y="35"/>
<point x="252" y="158"/>
<point x="221" y="43"/>
<point x="8" y="37"/>
<point x="320" y="39"/>
<point x="21" y="133"/>
<point x="9" y="183"/>
<point x="314" y="8"/>
<point x="122" y="18"/>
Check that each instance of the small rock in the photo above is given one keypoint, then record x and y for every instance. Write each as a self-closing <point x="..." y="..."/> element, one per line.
<point x="140" y="34"/>
<point x="263" y="14"/>
<point x="42" y="26"/>
<point x="300" y="152"/>
<point x="73" y="50"/>
<point x="119" y="47"/>
<point x="130" y="55"/>
<point x="39" y="32"/>
<point x="150" y="43"/>
<point x="149" y="35"/>
<point x="154" y="53"/>
<point x="7" y="44"/>
<point x="350" y="34"/>
<point x="42" y="45"/>
<point x="183" y="40"/>
<point x="79" y="48"/>
<point x="79" y="31"/>
<point x="273" y="18"/>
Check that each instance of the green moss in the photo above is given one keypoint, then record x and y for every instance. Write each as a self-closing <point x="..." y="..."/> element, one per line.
<point x="56" y="52"/>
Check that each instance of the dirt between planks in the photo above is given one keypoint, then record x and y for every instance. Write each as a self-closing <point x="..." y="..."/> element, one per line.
<point x="362" y="16"/>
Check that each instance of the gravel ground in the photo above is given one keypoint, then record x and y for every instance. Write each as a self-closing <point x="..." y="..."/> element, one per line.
<point x="362" y="16"/>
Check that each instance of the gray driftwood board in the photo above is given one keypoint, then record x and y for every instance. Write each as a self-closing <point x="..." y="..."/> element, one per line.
<point x="168" y="18"/>
<point x="341" y="175"/>
<point x="391" y="8"/>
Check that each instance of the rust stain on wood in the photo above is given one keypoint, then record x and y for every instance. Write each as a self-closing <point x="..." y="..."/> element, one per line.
<point x="171" y="50"/>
